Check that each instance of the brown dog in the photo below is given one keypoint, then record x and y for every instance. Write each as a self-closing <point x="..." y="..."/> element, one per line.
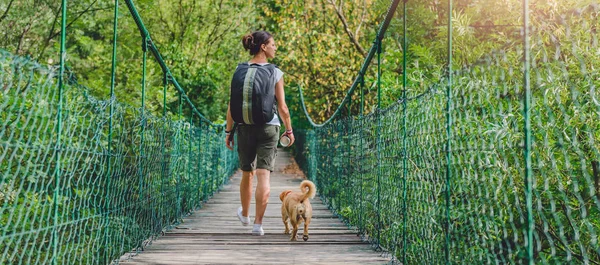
<point x="296" y="208"/>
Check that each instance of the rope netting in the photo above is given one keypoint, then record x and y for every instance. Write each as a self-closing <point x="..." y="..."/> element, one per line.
<point x="84" y="179"/>
<point x="495" y="162"/>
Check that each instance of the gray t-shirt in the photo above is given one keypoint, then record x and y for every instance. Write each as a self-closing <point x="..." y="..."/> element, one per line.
<point x="278" y="76"/>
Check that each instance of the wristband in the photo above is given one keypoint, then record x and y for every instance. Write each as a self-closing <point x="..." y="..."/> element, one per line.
<point x="289" y="132"/>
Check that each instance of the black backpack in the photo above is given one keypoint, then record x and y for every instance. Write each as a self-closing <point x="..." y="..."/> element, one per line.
<point x="252" y="98"/>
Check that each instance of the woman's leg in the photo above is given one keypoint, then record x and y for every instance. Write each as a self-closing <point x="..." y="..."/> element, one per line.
<point x="246" y="191"/>
<point x="263" y="189"/>
<point x="266" y="151"/>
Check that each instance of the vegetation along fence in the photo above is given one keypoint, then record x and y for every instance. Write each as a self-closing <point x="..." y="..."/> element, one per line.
<point x="490" y="155"/>
<point x="83" y="179"/>
<point x="491" y="162"/>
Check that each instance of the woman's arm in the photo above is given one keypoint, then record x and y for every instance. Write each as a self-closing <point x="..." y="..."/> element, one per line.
<point x="228" y="128"/>
<point x="284" y="112"/>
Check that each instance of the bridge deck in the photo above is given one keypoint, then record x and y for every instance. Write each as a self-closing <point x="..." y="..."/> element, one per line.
<point x="213" y="234"/>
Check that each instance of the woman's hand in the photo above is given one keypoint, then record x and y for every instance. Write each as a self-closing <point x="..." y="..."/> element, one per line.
<point x="229" y="143"/>
<point x="289" y="134"/>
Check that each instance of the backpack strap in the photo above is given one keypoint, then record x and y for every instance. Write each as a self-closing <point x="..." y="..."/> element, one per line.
<point x="269" y="66"/>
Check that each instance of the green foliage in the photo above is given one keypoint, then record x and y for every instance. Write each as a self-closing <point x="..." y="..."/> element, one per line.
<point x="396" y="194"/>
<point x="399" y="196"/>
<point x="109" y="185"/>
<point x="200" y="41"/>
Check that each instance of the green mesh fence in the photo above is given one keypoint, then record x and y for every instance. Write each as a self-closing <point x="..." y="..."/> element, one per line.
<point x="84" y="180"/>
<point x="495" y="162"/>
<point x="447" y="175"/>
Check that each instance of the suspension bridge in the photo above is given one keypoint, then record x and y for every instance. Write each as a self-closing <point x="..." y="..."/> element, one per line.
<point x="492" y="162"/>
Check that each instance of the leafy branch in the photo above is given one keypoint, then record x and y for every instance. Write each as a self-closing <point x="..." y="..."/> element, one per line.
<point x="340" y="13"/>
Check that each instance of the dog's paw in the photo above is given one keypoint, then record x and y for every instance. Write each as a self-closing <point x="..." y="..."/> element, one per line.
<point x="293" y="238"/>
<point x="286" y="232"/>
<point x="305" y="237"/>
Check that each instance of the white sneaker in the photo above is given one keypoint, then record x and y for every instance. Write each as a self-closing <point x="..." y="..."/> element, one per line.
<point x="257" y="230"/>
<point x="244" y="219"/>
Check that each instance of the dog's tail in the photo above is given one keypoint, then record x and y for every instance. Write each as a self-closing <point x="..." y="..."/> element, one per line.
<point x="310" y="193"/>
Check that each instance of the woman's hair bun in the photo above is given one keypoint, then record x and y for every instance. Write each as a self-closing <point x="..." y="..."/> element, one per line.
<point x="248" y="41"/>
<point x="253" y="42"/>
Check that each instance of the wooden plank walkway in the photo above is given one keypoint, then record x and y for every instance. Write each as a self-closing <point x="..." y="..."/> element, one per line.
<point x="214" y="235"/>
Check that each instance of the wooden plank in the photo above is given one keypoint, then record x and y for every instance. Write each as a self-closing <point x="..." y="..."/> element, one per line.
<point x="264" y="254"/>
<point x="214" y="235"/>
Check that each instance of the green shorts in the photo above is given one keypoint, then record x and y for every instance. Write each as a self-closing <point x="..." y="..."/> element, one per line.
<point x="257" y="146"/>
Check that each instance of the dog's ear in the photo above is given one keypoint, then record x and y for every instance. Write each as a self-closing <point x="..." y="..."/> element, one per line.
<point x="283" y="194"/>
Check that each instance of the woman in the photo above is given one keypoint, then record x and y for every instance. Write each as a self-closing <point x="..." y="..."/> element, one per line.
<point x="257" y="144"/>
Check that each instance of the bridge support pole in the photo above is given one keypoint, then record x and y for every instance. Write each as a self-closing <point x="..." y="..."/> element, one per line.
<point x="404" y="124"/>
<point x="378" y="141"/>
<point x="448" y="187"/>
<point x="201" y="169"/>
<point x="163" y="176"/>
<point x="190" y="143"/>
<point x="58" y="147"/>
<point x="108" y="189"/>
<point x="142" y="199"/>
<point x="527" y="143"/>
<point x="178" y="136"/>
